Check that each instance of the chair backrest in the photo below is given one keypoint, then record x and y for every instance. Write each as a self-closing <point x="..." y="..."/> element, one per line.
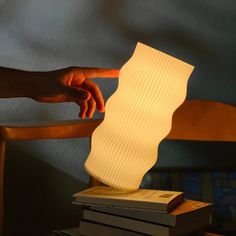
<point x="194" y="120"/>
<point x="204" y="121"/>
<point x="34" y="131"/>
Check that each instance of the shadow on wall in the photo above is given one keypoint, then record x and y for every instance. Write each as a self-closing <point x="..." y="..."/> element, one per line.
<point x="37" y="196"/>
<point x="155" y="33"/>
<point x="190" y="31"/>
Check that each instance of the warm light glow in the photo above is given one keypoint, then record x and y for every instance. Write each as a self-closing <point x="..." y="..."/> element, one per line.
<point x="152" y="85"/>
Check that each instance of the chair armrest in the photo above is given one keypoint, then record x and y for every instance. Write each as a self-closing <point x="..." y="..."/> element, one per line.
<point x="49" y="130"/>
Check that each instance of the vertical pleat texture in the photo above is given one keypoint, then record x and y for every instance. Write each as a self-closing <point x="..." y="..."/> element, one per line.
<point x="152" y="85"/>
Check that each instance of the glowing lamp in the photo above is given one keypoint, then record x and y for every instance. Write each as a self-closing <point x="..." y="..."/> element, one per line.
<point x="152" y="85"/>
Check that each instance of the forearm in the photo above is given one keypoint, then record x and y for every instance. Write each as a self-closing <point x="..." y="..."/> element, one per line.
<point x="69" y="84"/>
<point x="15" y="83"/>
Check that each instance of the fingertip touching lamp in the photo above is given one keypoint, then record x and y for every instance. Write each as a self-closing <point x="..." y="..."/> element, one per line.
<point x="152" y="85"/>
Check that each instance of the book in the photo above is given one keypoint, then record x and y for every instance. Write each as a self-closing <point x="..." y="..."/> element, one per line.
<point x="142" y="226"/>
<point x="140" y="199"/>
<point x="188" y="210"/>
<point x="91" y="228"/>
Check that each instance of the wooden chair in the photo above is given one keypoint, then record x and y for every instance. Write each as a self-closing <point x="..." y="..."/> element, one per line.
<point x="194" y="120"/>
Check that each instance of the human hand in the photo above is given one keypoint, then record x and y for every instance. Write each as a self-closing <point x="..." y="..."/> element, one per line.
<point x="72" y="84"/>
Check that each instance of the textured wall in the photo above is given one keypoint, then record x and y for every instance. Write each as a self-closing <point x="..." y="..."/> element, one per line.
<point x="50" y="34"/>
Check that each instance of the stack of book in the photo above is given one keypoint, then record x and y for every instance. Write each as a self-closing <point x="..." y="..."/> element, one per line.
<point x="108" y="211"/>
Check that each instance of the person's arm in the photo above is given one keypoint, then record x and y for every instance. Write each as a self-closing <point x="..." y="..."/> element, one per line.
<point x="15" y="83"/>
<point x="64" y="85"/>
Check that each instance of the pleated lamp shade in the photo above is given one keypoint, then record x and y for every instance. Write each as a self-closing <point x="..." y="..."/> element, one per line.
<point x="152" y="85"/>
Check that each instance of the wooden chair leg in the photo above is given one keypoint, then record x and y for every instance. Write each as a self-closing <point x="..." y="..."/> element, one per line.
<point x="92" y="181"/>
<point x="2" y="159"/>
